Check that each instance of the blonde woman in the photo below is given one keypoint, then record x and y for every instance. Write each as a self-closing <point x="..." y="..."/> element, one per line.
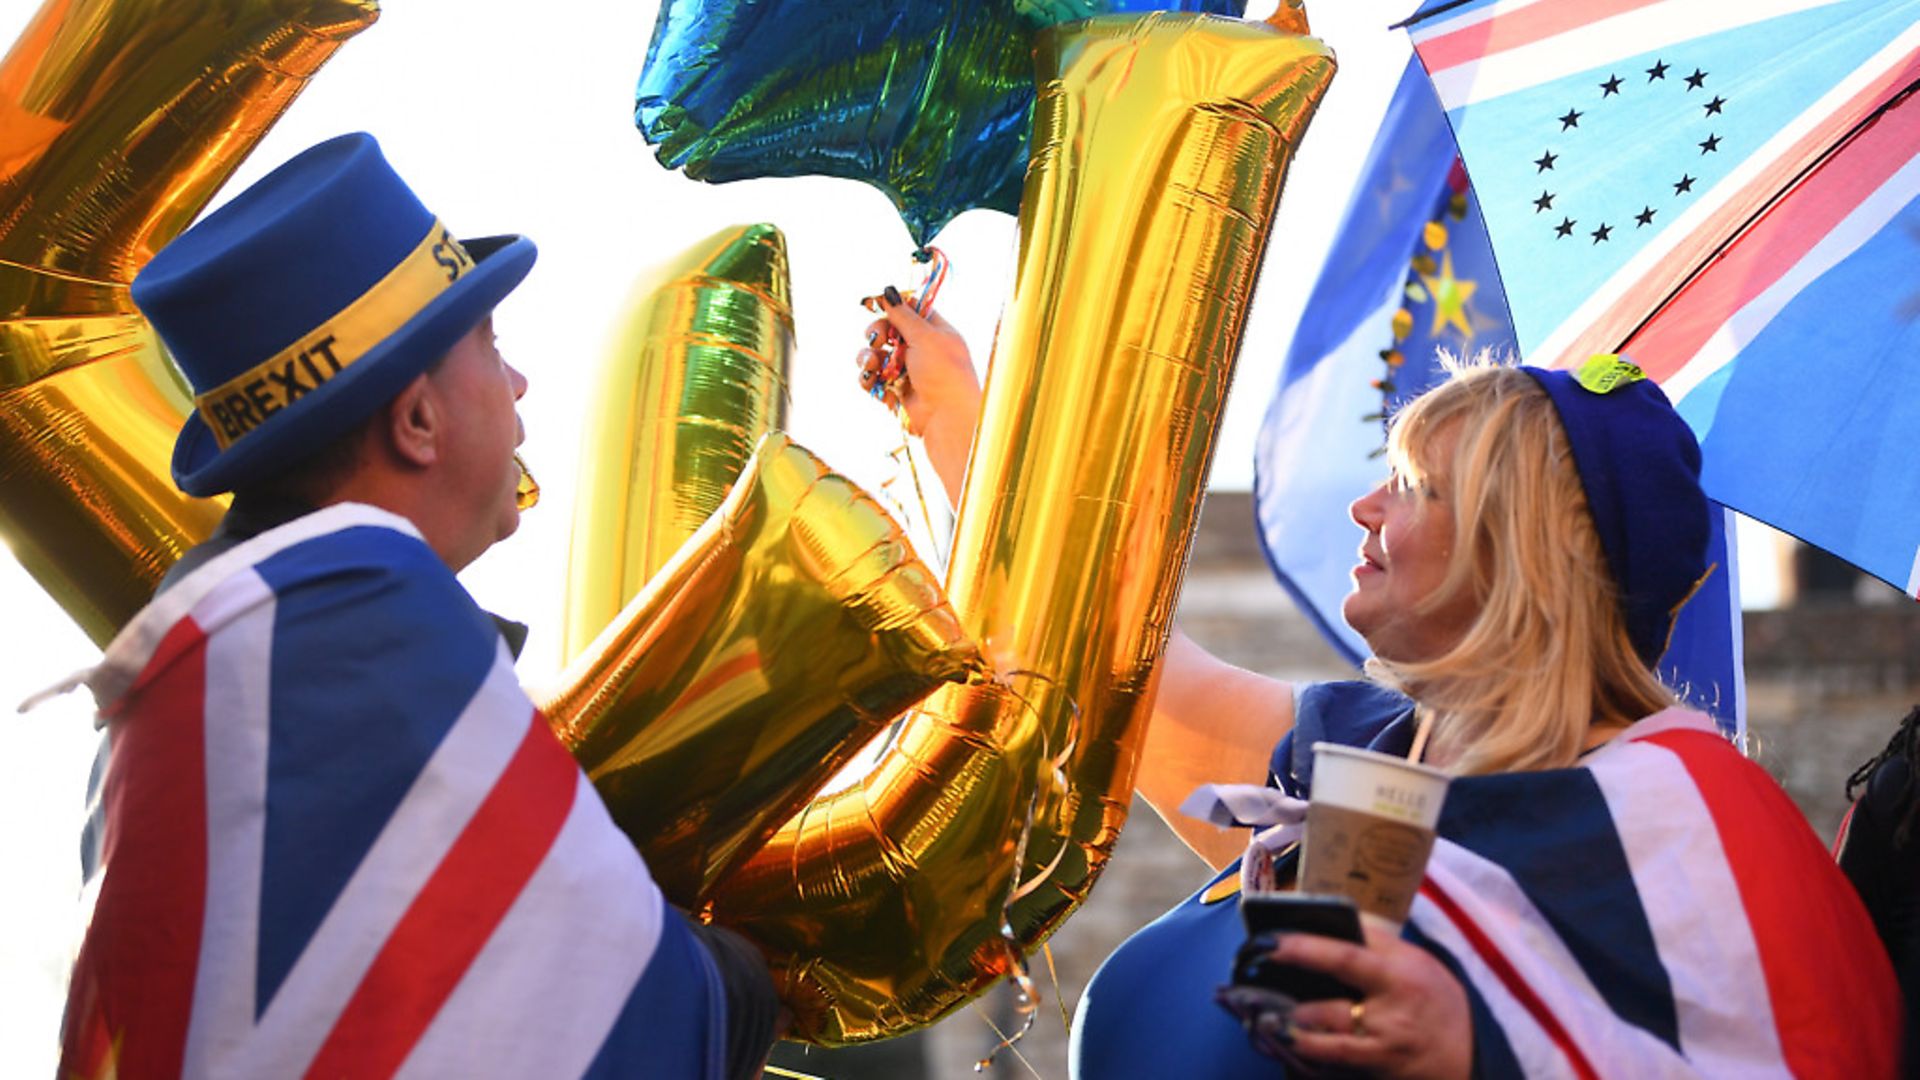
<point x="1615" y="890"/>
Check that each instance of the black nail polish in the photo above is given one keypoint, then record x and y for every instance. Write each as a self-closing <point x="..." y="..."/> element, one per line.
<point x="873" y="336"/>
<point x="893" y="296"/>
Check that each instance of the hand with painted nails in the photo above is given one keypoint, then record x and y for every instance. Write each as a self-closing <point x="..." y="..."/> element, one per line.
<point x="1267" y="1017"/>
<point x="936" y="370"/>
<point x="937" y="390"/>
<point x="1413" y="1020"/>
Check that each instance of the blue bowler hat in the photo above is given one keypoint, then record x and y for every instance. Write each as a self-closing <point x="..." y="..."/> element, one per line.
<point x="1639" y="465"/>
<point x="307" y="302"/>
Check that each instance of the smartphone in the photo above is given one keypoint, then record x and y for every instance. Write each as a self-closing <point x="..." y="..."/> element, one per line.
<point x="1294" y="913"/>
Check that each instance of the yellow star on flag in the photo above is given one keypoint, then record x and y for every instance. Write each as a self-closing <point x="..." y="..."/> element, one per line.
<point x="1450" y="296"/>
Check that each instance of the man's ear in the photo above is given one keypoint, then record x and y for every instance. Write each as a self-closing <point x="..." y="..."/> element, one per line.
<point x="415" y="423"/>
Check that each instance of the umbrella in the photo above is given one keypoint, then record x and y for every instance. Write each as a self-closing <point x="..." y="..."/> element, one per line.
<point x="1729" y="194"/>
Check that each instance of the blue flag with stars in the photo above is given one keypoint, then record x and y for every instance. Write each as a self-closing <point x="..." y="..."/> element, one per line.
<point x="1411" y="273"/>
<point x="1730" y="194"/>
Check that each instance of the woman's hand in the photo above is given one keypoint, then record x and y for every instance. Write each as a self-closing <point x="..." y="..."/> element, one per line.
<point x="939" y="380"/>
<point x="939" y="392"/>
<point x="1413" y="1022"/>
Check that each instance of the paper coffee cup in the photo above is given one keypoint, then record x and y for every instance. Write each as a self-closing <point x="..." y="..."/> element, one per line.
<point x="1370" y="828"/>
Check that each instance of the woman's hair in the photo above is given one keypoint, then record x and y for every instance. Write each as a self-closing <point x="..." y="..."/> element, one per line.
<point x="1547" y="655"/>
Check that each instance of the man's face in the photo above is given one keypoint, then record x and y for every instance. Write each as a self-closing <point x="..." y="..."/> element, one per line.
<point x="479" y="389"/>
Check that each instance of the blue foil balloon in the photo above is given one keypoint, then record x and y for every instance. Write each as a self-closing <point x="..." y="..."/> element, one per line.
<point x="929" y="102"/>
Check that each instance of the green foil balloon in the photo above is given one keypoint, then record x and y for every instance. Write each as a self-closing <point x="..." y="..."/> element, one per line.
<point x="929" y="102"/>
<point x="696" y="377"/>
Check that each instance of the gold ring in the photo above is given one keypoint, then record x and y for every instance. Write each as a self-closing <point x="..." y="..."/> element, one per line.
<point x="1357" y="1018"/>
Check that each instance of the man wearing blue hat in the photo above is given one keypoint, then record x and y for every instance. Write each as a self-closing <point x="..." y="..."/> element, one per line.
<point x="335" y="837"/>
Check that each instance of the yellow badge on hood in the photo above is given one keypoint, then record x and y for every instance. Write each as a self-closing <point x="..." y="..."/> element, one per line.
<point x="1605" y="372"/>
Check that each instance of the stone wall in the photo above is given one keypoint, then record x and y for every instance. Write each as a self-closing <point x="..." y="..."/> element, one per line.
<point x="1826" y="685"/>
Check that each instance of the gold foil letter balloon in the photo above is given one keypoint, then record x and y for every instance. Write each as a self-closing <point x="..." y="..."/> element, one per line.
<point x="119" y="119"/>
<point x="1159" y="147"/>
<point x="778" y="640"/>
<point x="697" y="375"/>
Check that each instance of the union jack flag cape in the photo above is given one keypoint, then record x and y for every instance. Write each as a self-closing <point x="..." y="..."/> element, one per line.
<point x="1662" y="910"/>
<point x="339" y="840"/>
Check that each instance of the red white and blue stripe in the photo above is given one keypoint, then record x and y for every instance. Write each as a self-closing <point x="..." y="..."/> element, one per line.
<point x="1701" y="930"/>
<point x="1662" y="909"/>
<point x="1743" y="204"/>
<point x="339" y="840"/>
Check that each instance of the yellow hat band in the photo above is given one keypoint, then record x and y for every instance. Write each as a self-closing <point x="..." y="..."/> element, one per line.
<point x="243" y="403"/>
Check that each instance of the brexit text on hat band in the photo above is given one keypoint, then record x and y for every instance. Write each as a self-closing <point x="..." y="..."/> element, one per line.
<point x="244" y="402"/>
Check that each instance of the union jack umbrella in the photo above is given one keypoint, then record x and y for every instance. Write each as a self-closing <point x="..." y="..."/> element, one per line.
<point x="1728" y="193"/>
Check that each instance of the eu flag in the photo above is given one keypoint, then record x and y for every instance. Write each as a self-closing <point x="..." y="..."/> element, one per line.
<point x="1412" y="273"/>
<point x="1729" y="193"/>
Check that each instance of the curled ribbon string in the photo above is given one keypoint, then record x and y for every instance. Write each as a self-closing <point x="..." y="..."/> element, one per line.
<point x="1059" y="993"/>
<point x="893" y="376"/>
<point x="1026" y="1002"/>
<point x="985" y="1063"/>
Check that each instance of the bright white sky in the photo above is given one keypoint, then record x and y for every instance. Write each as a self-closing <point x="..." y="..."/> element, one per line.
<point x="517" y="117"/>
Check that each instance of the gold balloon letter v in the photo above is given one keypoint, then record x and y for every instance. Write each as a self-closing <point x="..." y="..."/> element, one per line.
<point x="1159" y="147"/>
